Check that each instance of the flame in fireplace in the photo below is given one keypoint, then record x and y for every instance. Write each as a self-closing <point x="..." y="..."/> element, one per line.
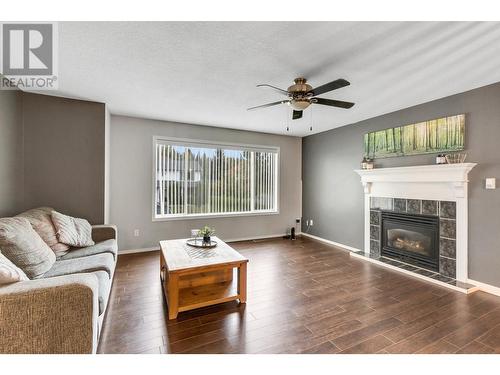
<point x="404" y="243"/>
<point x="409" y="240"/>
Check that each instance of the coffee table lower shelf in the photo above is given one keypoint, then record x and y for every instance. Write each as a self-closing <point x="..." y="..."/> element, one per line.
<point x="207" y="295"/>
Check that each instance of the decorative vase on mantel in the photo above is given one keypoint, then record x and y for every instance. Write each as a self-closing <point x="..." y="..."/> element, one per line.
<point x="367" y="163"/>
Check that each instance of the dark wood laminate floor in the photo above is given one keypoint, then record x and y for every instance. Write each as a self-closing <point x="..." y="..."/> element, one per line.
<point x="303" y="297"/>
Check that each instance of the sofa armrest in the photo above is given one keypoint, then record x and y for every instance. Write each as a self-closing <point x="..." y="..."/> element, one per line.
<point x="104" y="232"/>
<point x="53" y="315"/>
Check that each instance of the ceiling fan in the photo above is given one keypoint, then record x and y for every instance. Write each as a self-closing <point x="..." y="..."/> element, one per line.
<point x="301" y="95"/>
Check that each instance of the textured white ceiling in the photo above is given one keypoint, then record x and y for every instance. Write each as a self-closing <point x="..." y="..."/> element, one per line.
<point x="205" y="73"/>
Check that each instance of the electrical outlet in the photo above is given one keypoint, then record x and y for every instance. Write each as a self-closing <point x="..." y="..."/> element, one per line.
<point x="311" y="222"/>
<point x="491" y="183"/>
<point x="137" y="233"/>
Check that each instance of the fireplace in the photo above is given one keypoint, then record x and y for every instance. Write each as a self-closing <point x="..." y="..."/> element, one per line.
<point x="438" y="190"/>
<point x="412" y="238"/>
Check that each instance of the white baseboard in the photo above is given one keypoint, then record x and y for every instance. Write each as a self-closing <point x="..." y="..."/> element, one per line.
<point x="485" y="287"/>
<point x="346" y="247"/>
<point x="142" y="250"/>
<point x="154" y="248"/>
<point x="255" y="237"/>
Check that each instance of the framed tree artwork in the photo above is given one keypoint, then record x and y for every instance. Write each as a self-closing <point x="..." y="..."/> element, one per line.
<point x="445" y="134"/>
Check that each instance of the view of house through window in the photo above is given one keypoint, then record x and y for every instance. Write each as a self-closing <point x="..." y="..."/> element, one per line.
<point x="200" y="179"/>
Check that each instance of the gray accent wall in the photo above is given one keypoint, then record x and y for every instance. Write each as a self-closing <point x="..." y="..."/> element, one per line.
<point x="333" y="195"/>
<point x="131" y="182"/>
<point x="11" y="153"/>
<point x="64" y="155"/>
<point x="52" y="153"/>
<point x="107" y="164"/>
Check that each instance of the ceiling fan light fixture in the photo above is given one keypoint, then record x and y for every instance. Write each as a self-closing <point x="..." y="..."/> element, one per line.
<point x="300" y="86"/>
<point x="299" y="104"/>
<point x="301" y="95"/>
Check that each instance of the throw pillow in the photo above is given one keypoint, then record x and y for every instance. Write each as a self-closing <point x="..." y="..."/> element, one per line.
<point x="41" y="221"/>
<point x="72" y="231"/>
<point x="9" y="273"/>
<point x="24" y="247"/>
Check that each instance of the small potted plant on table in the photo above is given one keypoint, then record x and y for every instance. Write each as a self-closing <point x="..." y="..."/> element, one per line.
<point x="206" y="232"/>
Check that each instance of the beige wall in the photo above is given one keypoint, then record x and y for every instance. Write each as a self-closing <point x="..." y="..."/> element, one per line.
<point x="64" y="155"/>
<point x="11" y="153"/>
<point x="53" y="153"/>
<point x="131" y="183"/>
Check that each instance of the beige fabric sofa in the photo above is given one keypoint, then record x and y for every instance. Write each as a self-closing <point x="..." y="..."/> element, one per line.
<point x="63" y="310"/>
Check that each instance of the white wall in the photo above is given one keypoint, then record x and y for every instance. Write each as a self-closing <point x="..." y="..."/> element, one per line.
<point x="131" y="183"/>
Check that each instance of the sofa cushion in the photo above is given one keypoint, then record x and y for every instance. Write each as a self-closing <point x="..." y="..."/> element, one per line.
<point x="108" y="246"/>
<point x="41" y="221"/>
<point x="91" y="263"/>
<point x="104" y="289"/>
<point x="24" y="247"/>
<point x="9" y="272"/>
<point x="72" y="231"/>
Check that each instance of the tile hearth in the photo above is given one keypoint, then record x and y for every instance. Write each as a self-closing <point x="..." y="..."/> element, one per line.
<point x="411" y="269"/>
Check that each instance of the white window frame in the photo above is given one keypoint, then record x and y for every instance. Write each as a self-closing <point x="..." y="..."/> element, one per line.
<point x="211" y="144"/>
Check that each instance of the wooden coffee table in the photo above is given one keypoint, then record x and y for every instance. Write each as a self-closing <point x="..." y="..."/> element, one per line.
<point x="194" y="277"/>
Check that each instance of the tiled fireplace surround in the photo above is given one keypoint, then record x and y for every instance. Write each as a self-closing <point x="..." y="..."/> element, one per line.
<point x="440" y="190"/>
<point x="446" y="210"/>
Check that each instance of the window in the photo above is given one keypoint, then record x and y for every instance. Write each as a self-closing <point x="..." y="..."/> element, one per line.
<point x="202" y="179"/>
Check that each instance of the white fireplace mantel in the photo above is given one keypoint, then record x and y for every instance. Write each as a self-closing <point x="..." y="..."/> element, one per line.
<point x="455" y="175"/>
<point x="448" y="182"/>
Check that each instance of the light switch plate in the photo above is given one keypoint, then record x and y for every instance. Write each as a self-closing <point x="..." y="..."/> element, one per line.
<point x="491" y="183"/>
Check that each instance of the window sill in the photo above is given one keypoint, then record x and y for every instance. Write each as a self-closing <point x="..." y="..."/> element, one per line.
<point x="215" y="216"/>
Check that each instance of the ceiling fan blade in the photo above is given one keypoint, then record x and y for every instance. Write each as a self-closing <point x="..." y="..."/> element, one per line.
<point x="281" y="91"/>
<point x="333" y="103"/>
<point x="296" y="115"/>
<point x="334" y="85"/>
<point x="268" y="105"/>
